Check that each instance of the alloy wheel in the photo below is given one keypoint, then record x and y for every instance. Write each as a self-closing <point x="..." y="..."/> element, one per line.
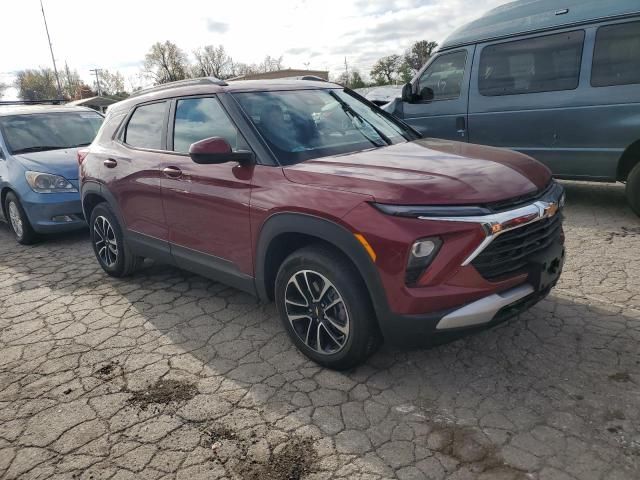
<point x="16" y="219"/>
<point x="317" y="312"/>
<point x="105" y="241"/>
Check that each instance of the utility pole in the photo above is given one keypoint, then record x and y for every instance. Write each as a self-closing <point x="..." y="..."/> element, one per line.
<point x="306" y="65"/>
<point x="346" y="70"/>
<point x="53" y="59"/>
<point x="97" y="72"/>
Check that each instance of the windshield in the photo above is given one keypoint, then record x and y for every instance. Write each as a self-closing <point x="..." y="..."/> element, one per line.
<point x="300" y="125"/>
<point x="38" y="132"/>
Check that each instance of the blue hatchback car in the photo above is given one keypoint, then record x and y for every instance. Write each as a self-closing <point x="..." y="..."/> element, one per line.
<point x="39" y="167"/>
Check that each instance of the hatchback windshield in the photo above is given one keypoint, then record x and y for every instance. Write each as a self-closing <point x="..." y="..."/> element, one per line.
<point x="302" y="124"/>
<point x="38" y="132"/>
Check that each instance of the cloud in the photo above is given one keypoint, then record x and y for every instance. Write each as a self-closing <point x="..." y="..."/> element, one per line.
<point x="216" y="27"/>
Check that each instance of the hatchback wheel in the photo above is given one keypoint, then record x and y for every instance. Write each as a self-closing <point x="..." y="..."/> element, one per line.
<point x="22" y="229"/>
<point x="109" y="244"/>
<point x="325" y="308"/>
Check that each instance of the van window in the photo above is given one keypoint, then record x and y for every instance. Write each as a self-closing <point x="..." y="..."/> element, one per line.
<point x="144" y="129"/>
<point x="616" y="58"/>
<point x="200" y="118"/>
<point x="444" y="76"/>
<point x="541" y="64"/>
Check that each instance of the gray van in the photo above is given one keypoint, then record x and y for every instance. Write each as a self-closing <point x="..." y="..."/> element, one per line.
<point x="558" y="80"/>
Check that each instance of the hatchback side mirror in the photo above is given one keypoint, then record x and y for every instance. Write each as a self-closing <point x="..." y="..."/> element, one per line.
<point x="215" y="150"/>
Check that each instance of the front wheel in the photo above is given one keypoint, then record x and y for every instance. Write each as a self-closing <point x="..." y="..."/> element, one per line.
<point x="633" y="189"/>
<point x="325" y="308"/>
<point x="109" y="244"/>
<point x="17" y="217"/>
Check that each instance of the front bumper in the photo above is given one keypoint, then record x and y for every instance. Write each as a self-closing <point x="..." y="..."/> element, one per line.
<point x="52" y="213"/>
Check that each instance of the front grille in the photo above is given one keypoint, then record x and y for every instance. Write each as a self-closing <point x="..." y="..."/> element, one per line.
<point x="510" y="252"/>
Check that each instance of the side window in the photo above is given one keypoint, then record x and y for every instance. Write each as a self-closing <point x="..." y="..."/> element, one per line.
<point x="444" y="76"/>
<point x="144" y="129"/>
<point x="200" y="118"/>
<point x="616" y="58"/>
<point x="534" y="65"/>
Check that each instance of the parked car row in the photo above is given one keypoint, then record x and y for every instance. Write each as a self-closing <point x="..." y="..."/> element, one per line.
<point x="559" y="81"/>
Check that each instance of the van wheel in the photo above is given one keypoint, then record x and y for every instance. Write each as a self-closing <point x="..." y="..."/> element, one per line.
<point x="633" y="189"/>
<point x="109" y="245"/>
<point x="325" y="308"/>
<point x="17" y="218"/>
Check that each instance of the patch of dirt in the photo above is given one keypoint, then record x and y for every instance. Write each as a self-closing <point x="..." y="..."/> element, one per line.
<point x="291" y="462"/>
<point x="217" y="433"/>
<point x="623" y="233"/>
<point x="622" y="377"/>
<point x="163" y="392"/>
<point x="107" y="369"/>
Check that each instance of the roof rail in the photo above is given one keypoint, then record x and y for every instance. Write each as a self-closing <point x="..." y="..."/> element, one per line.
<point x="181" y="83"/>
<point x="32" y="102"/>
<point x="313" y="77"/>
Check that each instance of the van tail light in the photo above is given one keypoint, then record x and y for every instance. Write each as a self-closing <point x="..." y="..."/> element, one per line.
<point x="82" y="154"/>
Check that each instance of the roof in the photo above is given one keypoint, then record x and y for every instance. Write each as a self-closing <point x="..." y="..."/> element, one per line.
<point x="284" y="73"/>
<point x="32" y="109"/>
<point x="527" y="16"/>
<point x="201" y="87"/>
<point x="95" y="101"/>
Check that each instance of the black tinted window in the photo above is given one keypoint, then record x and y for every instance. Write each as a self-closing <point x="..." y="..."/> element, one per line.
<point x="145" y="126"/>
<point x="542" y="64"/>
<point x="200" y="118"/>
<point x="616" y="59"/>
<point x="444" y="77"/>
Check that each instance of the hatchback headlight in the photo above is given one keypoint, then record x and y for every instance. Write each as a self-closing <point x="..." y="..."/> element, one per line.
<point x="421" y="255"/>
<point x="48" y="183"/>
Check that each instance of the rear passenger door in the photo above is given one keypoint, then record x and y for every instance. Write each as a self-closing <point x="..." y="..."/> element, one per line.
<point x="446" y="79"/>
<point x="520" y="93"/>
<point x="207" y="206"/>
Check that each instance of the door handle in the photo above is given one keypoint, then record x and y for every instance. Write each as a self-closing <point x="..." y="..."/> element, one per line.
<point x="172" y="172"/>
<point x="461" y="125"/>
<point x="110" y="163"/>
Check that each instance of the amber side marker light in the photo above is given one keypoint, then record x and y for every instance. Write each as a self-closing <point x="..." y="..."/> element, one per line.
<point x="366" y="245"/>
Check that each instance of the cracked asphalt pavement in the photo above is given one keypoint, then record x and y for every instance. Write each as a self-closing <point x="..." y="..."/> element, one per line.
<point x="169" y="375"/>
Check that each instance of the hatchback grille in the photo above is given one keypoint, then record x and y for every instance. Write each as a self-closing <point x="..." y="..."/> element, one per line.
<point x="509" y="253"/>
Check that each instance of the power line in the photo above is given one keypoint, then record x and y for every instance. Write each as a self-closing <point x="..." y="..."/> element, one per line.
<point x="53" y="58"/>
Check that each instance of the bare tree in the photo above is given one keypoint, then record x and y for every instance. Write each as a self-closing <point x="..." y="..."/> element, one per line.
<point x="3" y="87"/>
<point x="111" y="84"/>
<point x="212" y="61"/>
<point x="384" y="71"/>
<point x="270" y="64"/>
<point x="166" y="62"/>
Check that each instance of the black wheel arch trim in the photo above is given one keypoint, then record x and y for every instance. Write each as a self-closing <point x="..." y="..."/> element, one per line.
<point x="330" y="232"/>
<point x="95" y="188"/>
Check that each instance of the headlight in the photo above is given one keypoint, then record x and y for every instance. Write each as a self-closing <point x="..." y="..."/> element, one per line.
<point x="421" y="255"/>
<point x="48" y="183"/>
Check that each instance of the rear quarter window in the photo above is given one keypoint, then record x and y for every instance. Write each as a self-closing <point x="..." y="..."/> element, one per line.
<point x="616" y="58"/>
<point x="146" y="125"/>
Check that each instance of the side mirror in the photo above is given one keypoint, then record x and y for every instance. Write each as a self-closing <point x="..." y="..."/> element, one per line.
<point x="427" y="94"/>
<point x="217" y="150"/>
<point x="407" y="93"/>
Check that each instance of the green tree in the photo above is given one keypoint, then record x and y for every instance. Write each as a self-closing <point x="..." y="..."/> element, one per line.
<point x="111" y="84"/>
<point x="405" y="72"/>
<point x="166" y="62"/>
<point x="354" y="80"/>
<point x="385" y="70"/>
<point x="419" y="53"/>
<point x="212" y="61"/>
<point x="36" y="84"/>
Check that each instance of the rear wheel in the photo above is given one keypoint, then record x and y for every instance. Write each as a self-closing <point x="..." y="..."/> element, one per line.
<point x="633" y="189"/>
<point x="17" y="218"/>
<point x="325" y="308"/>
<point x="109" y="244"/>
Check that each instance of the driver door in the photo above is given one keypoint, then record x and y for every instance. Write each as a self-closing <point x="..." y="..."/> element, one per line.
<point x="442" y="93"/>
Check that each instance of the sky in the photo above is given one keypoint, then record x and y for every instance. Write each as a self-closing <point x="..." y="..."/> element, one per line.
<point x="116" y="34"/>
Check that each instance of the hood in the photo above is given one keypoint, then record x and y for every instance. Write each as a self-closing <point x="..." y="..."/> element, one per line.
<point x="58" y="162"/>
<point x="427" y="172"/>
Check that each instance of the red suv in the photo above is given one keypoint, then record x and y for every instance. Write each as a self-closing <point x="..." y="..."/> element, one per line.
<point x="305" y="193"/>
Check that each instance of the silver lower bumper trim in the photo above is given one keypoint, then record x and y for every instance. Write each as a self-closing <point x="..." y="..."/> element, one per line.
<point x="483" y="310"/>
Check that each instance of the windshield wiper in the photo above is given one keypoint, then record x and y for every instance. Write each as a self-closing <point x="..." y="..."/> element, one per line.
<point x="351" y="112"/>
<point x="85" y="144"/>
<point x="38" y="148"/>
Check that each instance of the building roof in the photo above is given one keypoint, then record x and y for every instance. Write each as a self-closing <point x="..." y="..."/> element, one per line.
<point x="33" y="109"/>
<point x="527" y="16"/>
<point x="94" y="101"/>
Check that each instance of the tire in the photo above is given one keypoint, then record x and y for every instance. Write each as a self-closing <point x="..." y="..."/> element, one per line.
<point x="18" y="220"/>
<point x="113" y="254"/>
<point x="337" y="329"/>
<point x="633" y="189"/>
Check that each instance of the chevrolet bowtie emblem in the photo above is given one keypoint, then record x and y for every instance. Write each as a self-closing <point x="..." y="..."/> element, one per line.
<point x="551" y="210"/>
